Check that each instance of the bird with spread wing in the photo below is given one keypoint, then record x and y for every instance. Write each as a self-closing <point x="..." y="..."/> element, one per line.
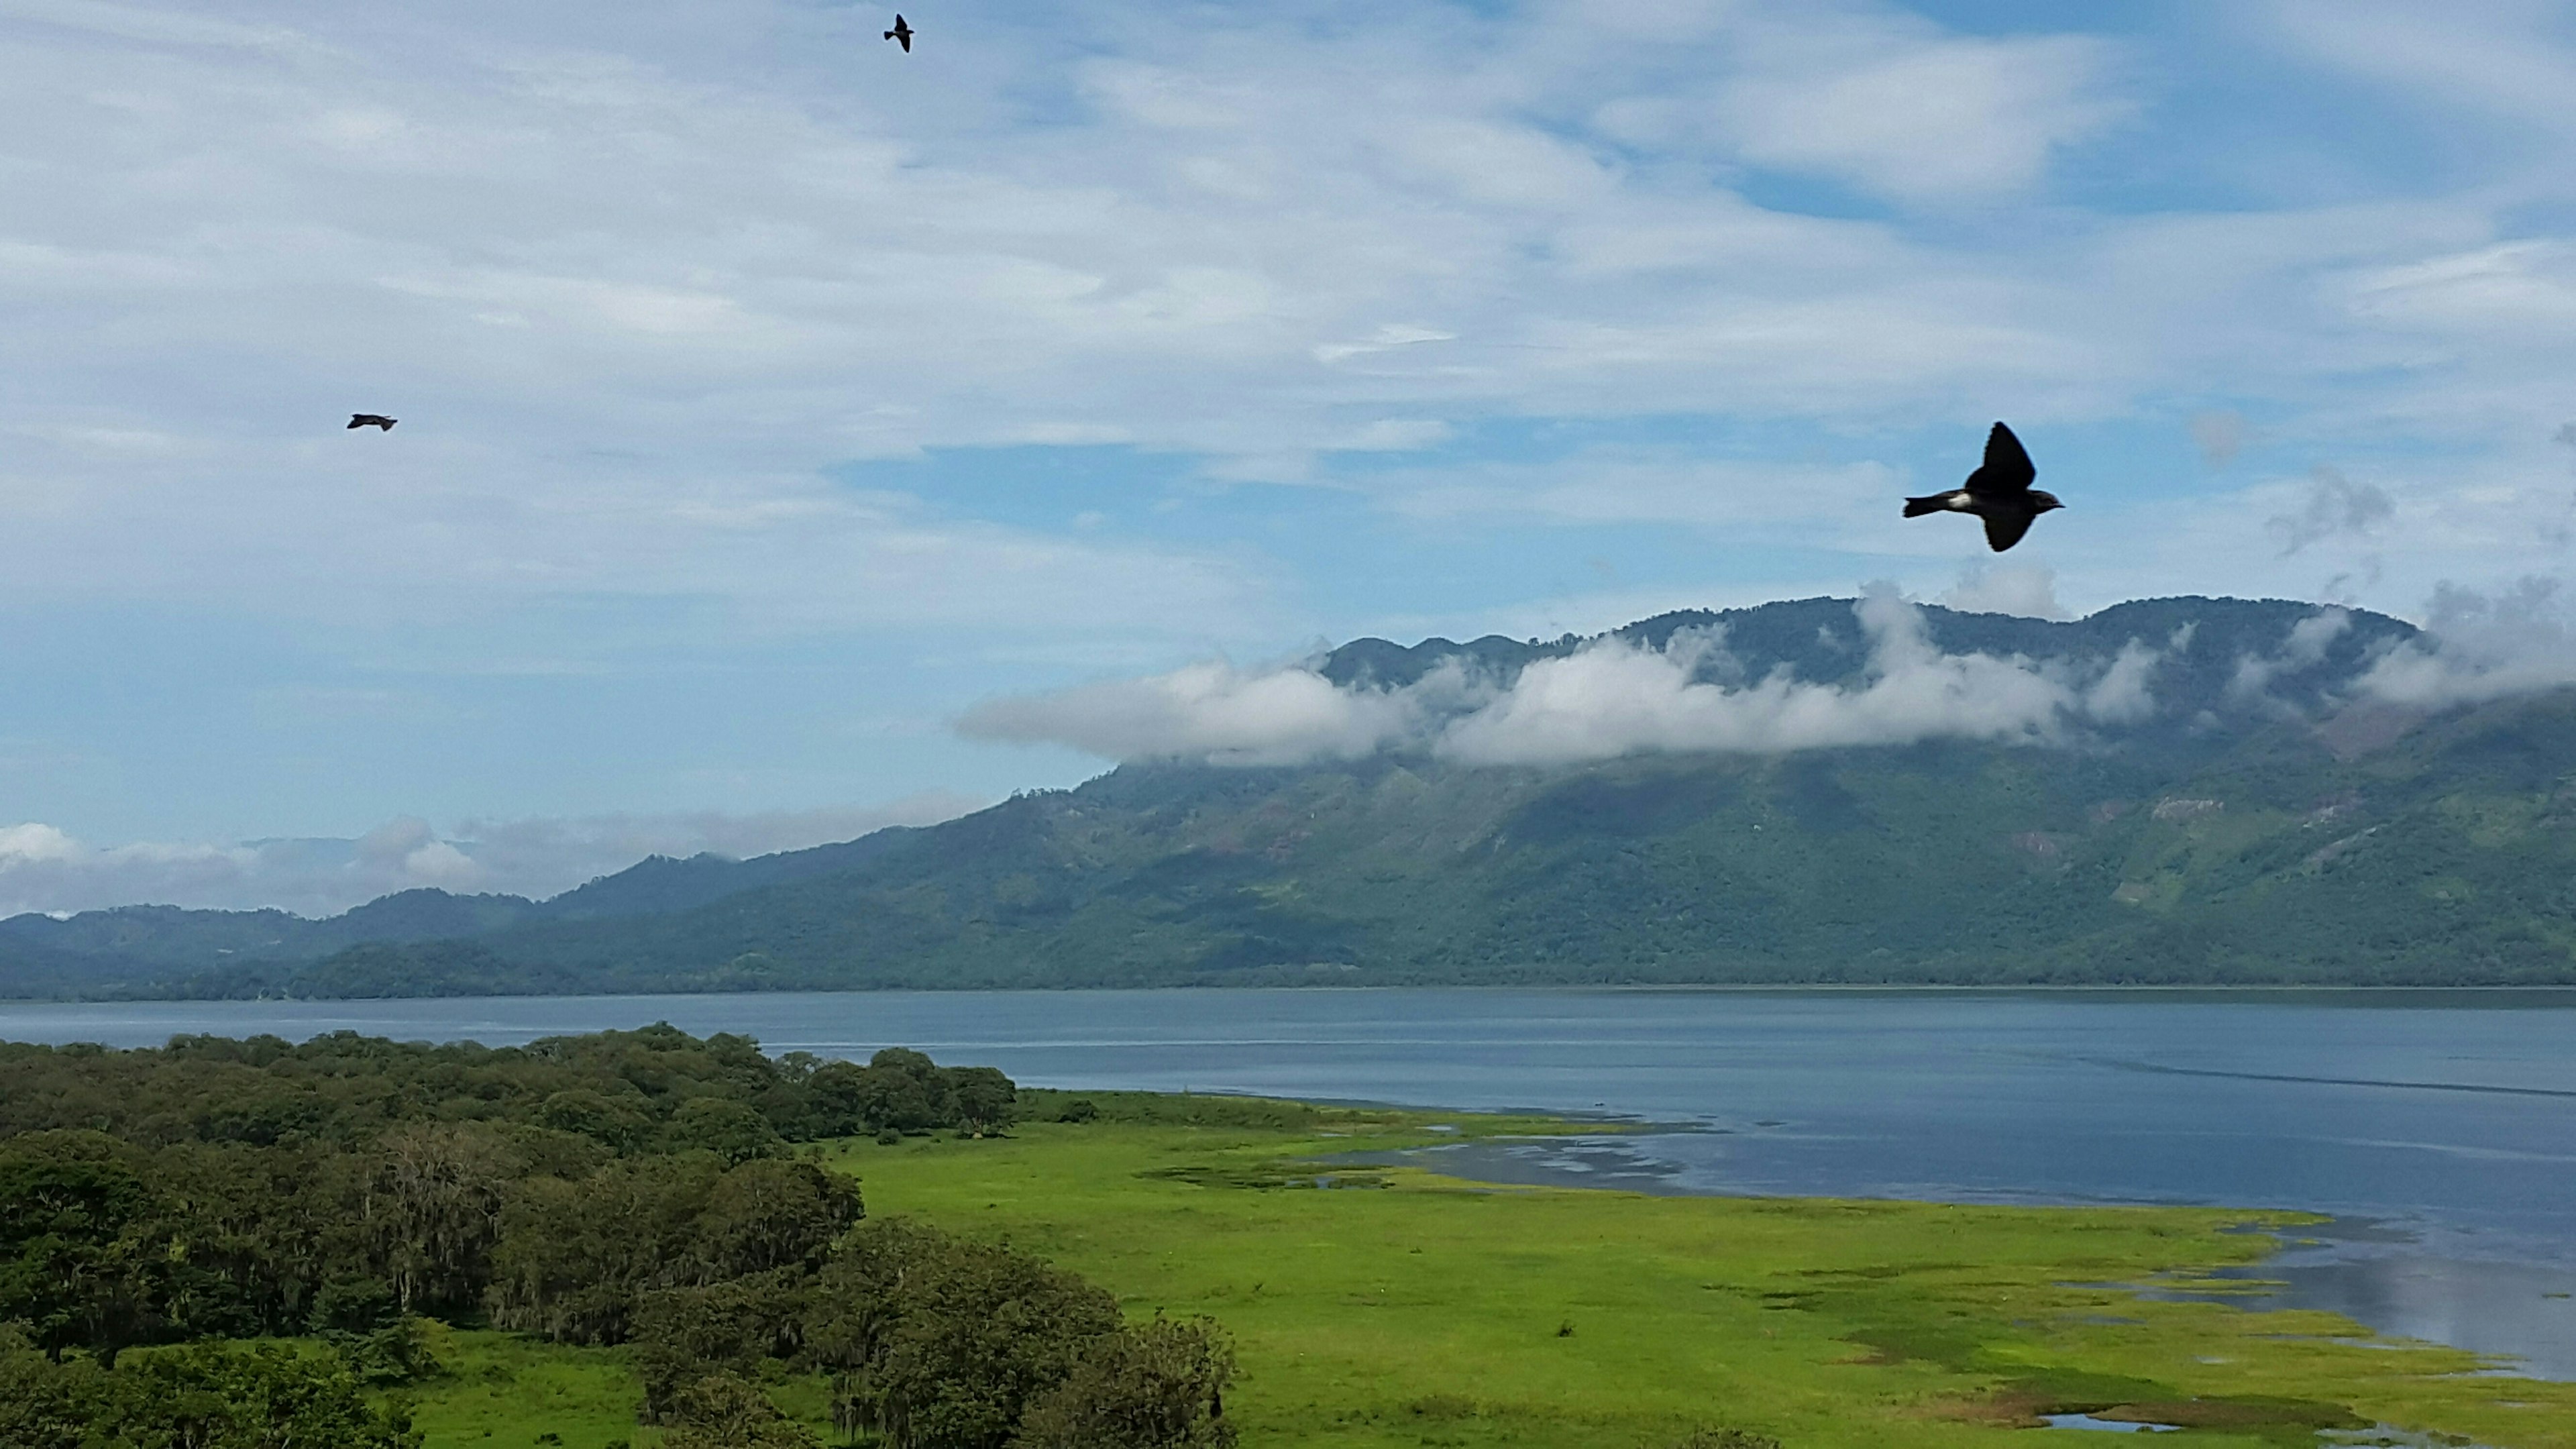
<point x="1998" y="492"/>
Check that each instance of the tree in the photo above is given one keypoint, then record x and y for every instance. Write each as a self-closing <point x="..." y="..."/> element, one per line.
<point x="684" y="1334"/>
<point x="905" y="1091"/>
<point x="940" y="1342"/>
<point x="983" y="1098"/>
<point x="573" y="1256"/>
<point x="78" y="1264"/>
<point x="734" y="1131"/>
<point x="1157" y="1386"/>
<point x="838" y="1095"/>
<point x="767" y="1215"/>
<point x="615" y="1124"/>
<point x="432" y="1212"/>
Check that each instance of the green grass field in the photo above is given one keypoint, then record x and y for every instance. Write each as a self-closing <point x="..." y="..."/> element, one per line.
<point x="1402" y="1308"/>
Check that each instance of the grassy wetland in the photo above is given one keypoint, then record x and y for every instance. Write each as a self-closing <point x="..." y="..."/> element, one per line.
<point x="646" y="1238"/>
<point x="1398" y="1307"/>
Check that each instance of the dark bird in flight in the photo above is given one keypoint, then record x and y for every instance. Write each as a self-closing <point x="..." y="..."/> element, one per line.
<point x="1998" y="492"/>
<point x="371" y="420"/>
<point x="901" y="32"/>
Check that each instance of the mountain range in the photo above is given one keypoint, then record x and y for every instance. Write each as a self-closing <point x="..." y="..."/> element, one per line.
<point x="2172" y="791"/>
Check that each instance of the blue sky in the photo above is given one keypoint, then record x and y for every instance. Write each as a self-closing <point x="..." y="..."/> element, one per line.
<point x="770" y="399"/>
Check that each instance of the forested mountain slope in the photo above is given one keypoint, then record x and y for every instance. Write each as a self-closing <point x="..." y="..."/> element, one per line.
<point x="2219" y="800"/>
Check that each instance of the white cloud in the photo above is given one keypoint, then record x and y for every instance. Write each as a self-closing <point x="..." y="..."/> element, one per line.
<point x="1606" y="699"/>
<point x="2509" y="61"/>
<point x="35" y="844"/>
<point x="1211" y="712"/>
<point x="1921" y="117"/>
<point x="2124" y="693"/>
<point x="2481" y="647"/>
<point x="43" y="868"/>
<point x="2304" y="647"/>
<point x="633" y="289"/>
<point x="2521" y="290"/>
<point x="1613" y="698"/>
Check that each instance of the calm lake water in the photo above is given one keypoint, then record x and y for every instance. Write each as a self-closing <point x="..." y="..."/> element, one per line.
<point x="2439" y="1128"/>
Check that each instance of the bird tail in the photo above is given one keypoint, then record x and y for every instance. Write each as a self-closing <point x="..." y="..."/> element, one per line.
<point x="1917" y="507"/>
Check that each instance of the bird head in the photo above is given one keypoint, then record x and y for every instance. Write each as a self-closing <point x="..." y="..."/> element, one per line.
<point x="2042" y="501"/>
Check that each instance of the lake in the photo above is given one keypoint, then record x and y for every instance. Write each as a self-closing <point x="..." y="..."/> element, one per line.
<point x="2438" y="1128"/>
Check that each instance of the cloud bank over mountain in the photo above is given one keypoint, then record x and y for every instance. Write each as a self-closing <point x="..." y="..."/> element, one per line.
<point x="1616" y="695"/>
<point x="2480" y="646"/>
<point x="43" y="868"/>
<point x="1613" y="696"/>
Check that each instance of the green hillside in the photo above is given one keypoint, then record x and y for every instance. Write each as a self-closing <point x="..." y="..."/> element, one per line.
<point x="2286" y="835"/>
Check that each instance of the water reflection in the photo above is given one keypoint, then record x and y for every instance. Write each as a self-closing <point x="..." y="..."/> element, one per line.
<point x="2522" y="1308"/>
<point x="2506" y="1295"/>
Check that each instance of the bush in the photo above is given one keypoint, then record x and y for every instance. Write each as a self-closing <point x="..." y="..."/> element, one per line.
<point x="727" y="1411"/>
<point x="1707" y="1437"/>
<point x="207" y="1395"/>
<point x="398" y="1353"/>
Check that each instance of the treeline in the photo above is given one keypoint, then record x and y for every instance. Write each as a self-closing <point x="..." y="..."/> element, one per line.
<point x="654" y="1090"/>
<point x="629" y="1187"/>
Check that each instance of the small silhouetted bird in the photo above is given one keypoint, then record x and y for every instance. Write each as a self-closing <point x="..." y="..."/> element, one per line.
<point x="371" y="420"/>
<point x="1998" y="492"/>
<point x="901" y="32"/>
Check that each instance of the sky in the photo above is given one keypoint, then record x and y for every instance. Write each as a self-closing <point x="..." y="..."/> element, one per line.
<point x="776" y="407"/>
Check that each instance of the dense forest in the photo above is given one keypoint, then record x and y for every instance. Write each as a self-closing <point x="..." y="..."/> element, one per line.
<point x="224" y="1244"/>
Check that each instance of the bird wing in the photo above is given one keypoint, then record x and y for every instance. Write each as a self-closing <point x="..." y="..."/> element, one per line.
<point x="2003" y="529"/>
<point x="2007" y="468"/>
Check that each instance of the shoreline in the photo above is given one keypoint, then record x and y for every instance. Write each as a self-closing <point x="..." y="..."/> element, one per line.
<point x="1647" y="988"/>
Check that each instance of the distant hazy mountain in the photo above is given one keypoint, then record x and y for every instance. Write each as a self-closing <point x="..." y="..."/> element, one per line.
<point x="130" y="947"/>
<point x="2215" y="798"/>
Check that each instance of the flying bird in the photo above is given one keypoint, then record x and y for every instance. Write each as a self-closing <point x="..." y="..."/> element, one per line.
<point x="901" y="32"/>
<point x="371" y="420"/>
<point x="1998" y="492"/>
